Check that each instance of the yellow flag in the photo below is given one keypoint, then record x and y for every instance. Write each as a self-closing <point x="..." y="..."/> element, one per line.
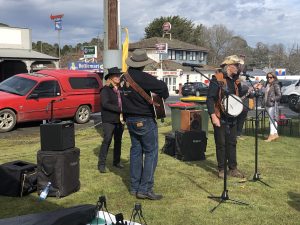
<point x="125" y="51"/>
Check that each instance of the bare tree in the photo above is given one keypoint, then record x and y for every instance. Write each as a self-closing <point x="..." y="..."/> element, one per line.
<point x="293" y="65"/>
<point x="220" y="39"/>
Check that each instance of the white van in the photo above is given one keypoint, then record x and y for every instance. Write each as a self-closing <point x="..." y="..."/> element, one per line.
<point x="291" y="93"/>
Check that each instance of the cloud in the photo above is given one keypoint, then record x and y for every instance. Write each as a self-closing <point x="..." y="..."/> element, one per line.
<point x="267" y="21"/>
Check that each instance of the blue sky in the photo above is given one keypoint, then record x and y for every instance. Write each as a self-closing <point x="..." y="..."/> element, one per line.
<point x="268" y="21"/>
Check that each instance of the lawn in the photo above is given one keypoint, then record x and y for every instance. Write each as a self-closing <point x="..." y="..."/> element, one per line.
<point x="185" y="185"/>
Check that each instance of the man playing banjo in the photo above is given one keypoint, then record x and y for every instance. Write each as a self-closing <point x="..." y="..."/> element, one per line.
<point x="216" y="105"/>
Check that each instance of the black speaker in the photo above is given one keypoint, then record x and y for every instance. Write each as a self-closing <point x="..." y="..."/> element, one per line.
<point x="57" y="136"/>
<point x="169" y="147"/>
<point x="190" y="145"/>
<point x="18" y="178"/>
<point x="61" y="168"/>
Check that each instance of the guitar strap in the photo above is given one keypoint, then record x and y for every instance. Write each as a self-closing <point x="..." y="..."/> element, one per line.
<point x="139" y="90"/>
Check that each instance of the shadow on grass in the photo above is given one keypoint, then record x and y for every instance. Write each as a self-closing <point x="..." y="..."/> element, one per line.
<point x="123" y="173"/>
<point x="192" y="178"/>
<point x="15" y="206"/>
<point x="207" y="165"/>
<point x="294" y="200"/>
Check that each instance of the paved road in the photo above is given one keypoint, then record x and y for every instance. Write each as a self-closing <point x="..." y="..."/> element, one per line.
<point x="33" y="127"/>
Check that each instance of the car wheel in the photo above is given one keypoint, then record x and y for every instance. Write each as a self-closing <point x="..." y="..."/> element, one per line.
<point x="197" y="93"/>
<point x="293" y="100"/>
<point x="83" y="114"/>
<point x="8" y="120"/>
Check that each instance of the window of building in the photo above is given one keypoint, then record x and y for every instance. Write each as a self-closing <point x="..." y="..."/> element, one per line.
<point x="201" y="56"/>
<point x="180" y="55"/>
<point x="192" y="56"/>
<point x="171" y="54"/>
<point x="184" y="55"/>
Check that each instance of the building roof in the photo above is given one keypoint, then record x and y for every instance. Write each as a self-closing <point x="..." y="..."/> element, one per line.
<point x="172" y="44"/>
<point x="169" y="65"/>
<point x="6" y="53"/>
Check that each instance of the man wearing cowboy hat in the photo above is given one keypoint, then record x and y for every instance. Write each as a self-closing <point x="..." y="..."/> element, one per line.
<point x="111" y="109"/>
<point x="142" y="127"/>
<point x="228" y="79"/>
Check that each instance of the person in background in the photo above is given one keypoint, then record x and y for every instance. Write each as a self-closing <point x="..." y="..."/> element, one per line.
<point x="225" y="135"/>
<point x="111" y="113"/>
<point x="246" y="100"/>
<point x="142" y="127"/>
<point x="272" y="95"/>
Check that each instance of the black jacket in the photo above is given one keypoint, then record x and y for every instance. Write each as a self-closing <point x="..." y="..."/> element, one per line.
<point x="110" y="111"/>
<point x="213" y="93"/>
<point x="134" y="105"/>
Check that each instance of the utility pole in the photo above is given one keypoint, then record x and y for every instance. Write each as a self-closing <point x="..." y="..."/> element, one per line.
<point x="112" y="55"/>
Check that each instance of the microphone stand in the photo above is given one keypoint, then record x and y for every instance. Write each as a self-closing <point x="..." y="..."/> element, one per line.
<point x="224" y="196"/>
<point x="256" y="176"/>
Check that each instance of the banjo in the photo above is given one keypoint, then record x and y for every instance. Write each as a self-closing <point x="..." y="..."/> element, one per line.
<point x="235" y="106"/>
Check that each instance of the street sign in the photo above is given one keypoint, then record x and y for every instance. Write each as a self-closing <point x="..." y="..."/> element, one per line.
<point x="166" y="26"/>
<point x="97" y="67"/>
<point x="90" y="52"/>
<point x="58" y="24"/>
<point x="280" y="72"/>
<point x="161" y="48"/>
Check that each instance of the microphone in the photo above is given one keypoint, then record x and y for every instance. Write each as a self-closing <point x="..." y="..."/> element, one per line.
<point x="244" y="73"/>
<point x="192" y="65"/>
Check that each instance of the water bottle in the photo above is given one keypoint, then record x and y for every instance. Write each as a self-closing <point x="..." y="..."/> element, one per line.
<point x="45" y="192"/>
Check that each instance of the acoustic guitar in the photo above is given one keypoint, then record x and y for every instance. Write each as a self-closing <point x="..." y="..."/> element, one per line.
<point x="158" y="106"/>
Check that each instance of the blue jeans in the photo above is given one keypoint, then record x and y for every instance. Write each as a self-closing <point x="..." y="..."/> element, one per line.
<point x="143" y="153"/>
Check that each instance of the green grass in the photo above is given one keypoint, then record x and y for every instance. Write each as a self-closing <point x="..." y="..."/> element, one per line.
<point x="185" y="185"/>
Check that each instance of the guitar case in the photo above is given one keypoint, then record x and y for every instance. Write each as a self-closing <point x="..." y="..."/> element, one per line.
<point x="77" y="215"/>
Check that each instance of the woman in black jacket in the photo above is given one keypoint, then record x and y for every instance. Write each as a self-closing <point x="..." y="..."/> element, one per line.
<point x="112" y="122"/>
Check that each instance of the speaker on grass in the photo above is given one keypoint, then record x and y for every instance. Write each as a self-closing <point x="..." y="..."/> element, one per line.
<point x="169" y="147"/>
<point x="61" y="168"/>
<point x="18" y="178"/>
<point x="190" y="145"/>
<point x="191" y="120"/>
<point x="57" y="136"/>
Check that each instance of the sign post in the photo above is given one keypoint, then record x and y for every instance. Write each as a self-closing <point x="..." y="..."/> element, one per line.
<point x="58" y="26"/>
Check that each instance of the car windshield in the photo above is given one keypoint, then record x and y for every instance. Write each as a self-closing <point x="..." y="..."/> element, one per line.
<point x="17" y="85"/>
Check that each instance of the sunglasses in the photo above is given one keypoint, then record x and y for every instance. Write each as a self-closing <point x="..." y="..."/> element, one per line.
<point x="270" y="77"/>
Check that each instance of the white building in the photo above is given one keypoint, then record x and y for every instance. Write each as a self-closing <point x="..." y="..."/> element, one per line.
<point x="16" y="54"/>
<point x="169" y="66"/>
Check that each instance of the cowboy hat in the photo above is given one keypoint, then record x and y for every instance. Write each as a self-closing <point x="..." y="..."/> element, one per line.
<point x="138" y="58"/>
<point x="232" y="59"/>
<point x="111" y="71"/>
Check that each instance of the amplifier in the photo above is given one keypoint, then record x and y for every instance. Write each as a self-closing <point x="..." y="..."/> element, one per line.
<point x="190" y="145"/>
<point x="18" y="178"/>
<point x="191" y="120"/>
<point x="57" y="136"/>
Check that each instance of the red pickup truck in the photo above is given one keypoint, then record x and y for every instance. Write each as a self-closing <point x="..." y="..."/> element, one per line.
<point x="49" y="94"/>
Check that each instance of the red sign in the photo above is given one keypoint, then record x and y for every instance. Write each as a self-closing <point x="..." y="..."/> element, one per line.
<point x="161" y="48"/>
<point x="166" y="26"/>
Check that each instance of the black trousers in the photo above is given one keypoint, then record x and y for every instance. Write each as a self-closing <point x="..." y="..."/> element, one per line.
<point x="240" y="122"/>
<point x="225" y="138"/>
<point x="110" y="130"/>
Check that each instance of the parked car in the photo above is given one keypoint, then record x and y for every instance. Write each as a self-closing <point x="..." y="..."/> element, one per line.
<point x="194" y="88"/>
<point x="48" y="94"/>
<point x="291" y="93"/>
